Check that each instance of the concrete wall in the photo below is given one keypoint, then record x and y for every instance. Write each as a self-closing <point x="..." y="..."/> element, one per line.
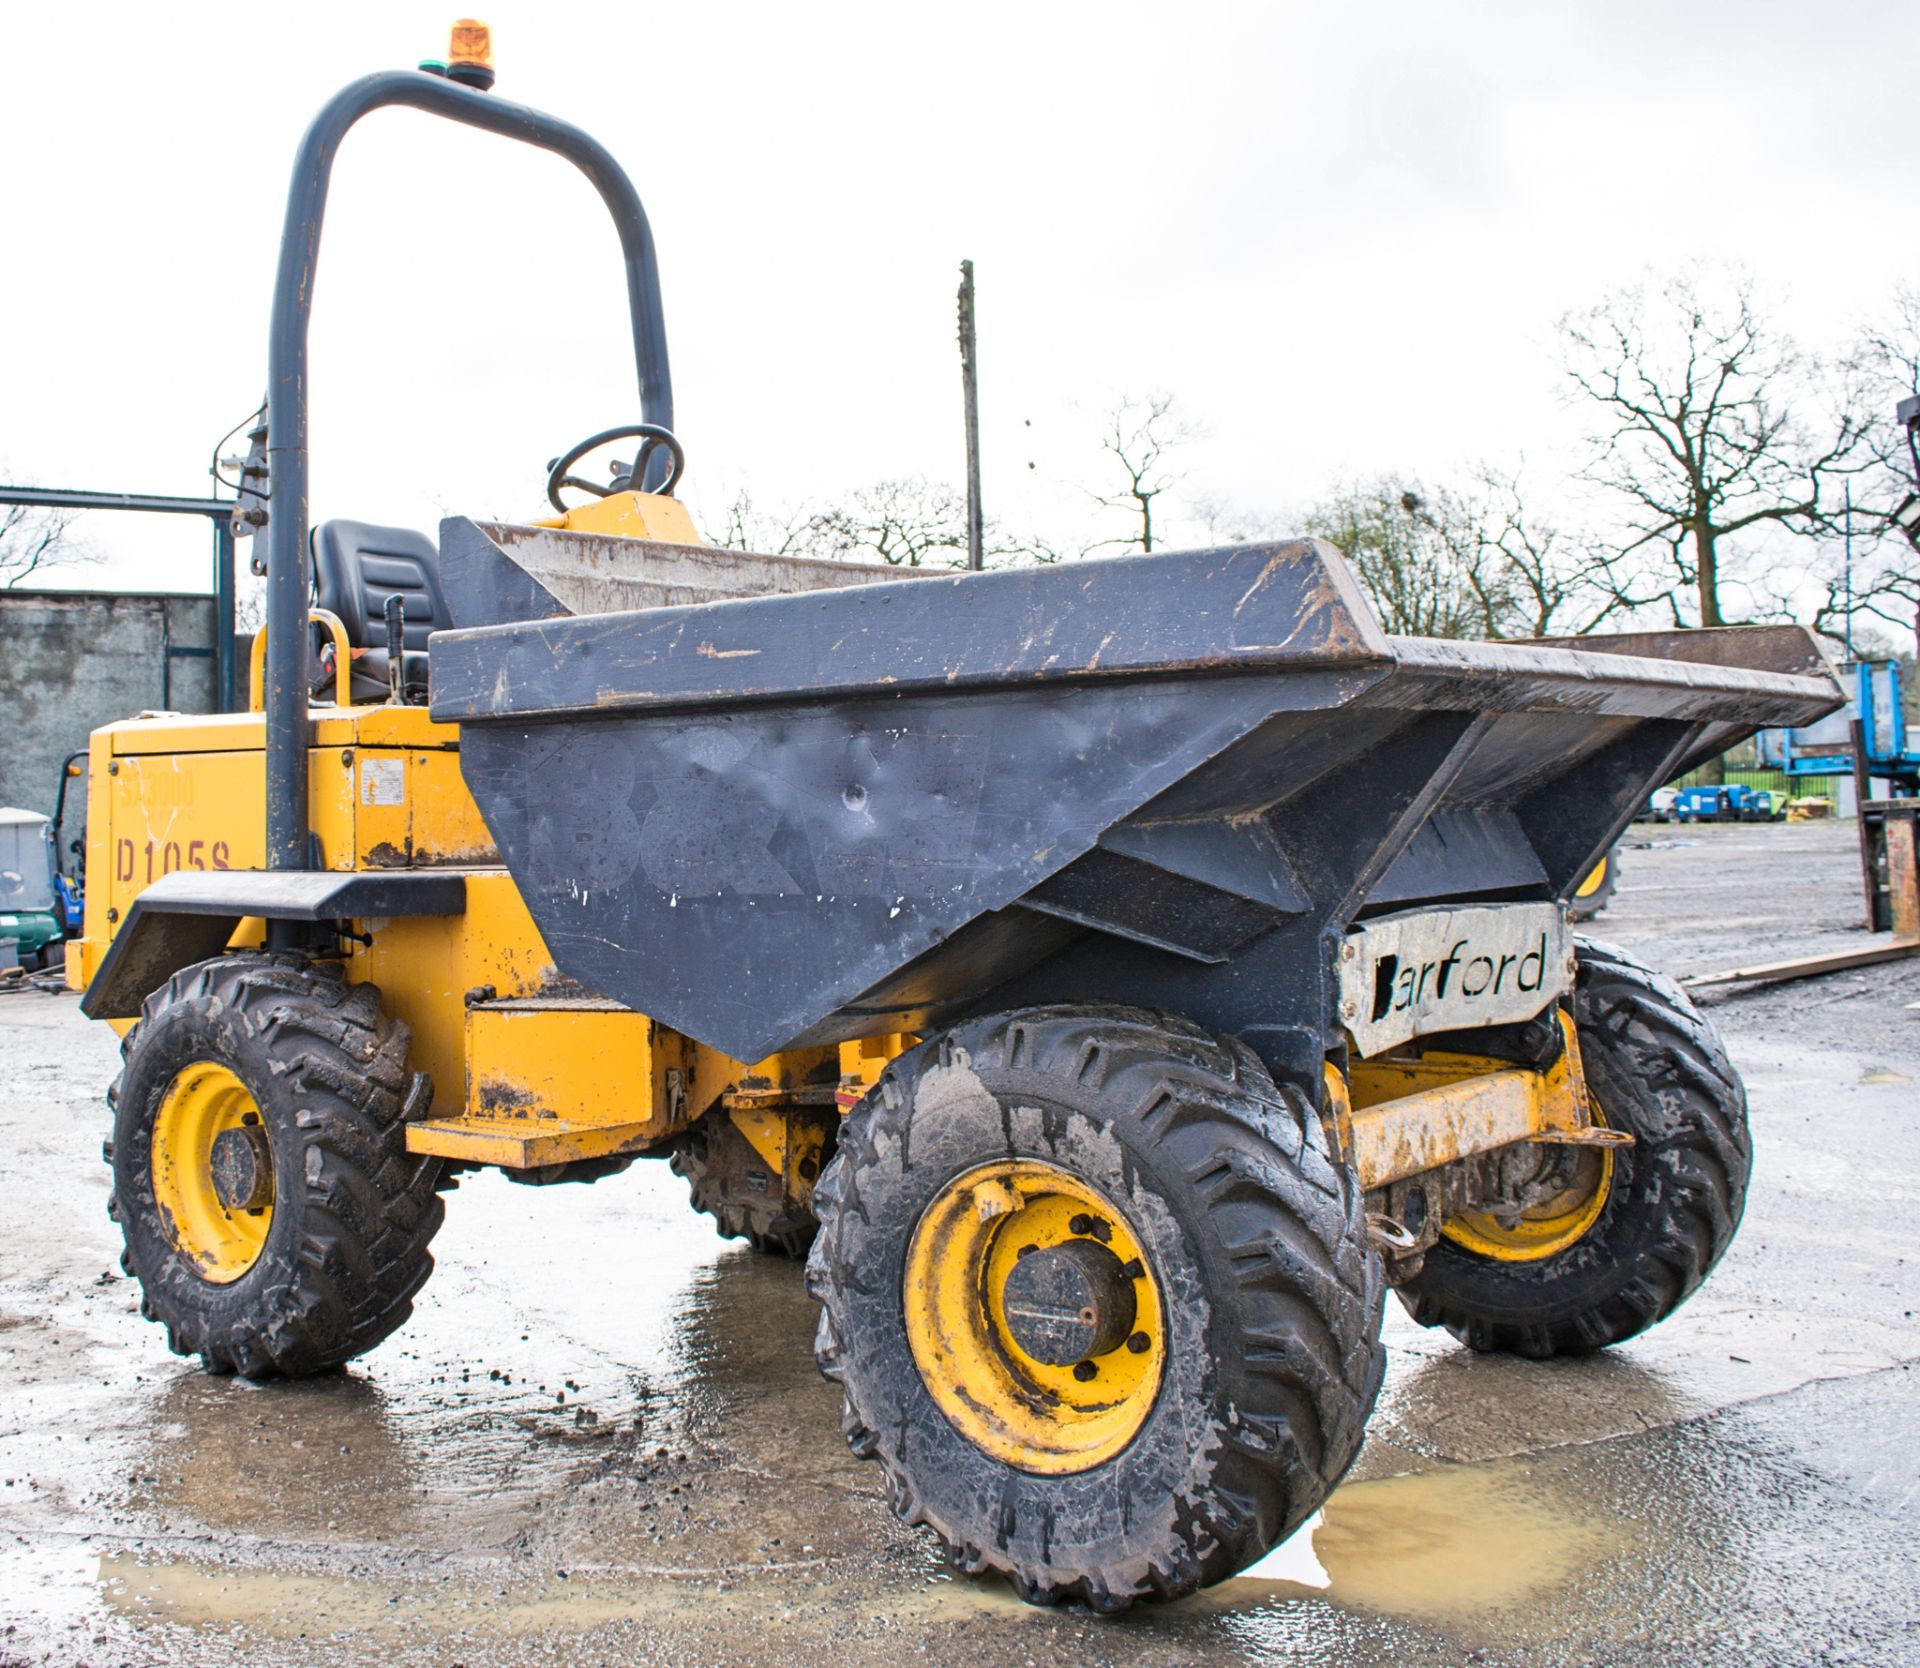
<point x="73" y="660"/>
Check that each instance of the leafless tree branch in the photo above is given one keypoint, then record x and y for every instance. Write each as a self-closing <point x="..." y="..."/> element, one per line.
<point x="1709" y="424"/>
<point x="1140" y="431"/>
<point x="32" y="541"/>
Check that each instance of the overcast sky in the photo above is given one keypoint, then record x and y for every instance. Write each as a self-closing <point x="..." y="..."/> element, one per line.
<point x="1339" y="235"/>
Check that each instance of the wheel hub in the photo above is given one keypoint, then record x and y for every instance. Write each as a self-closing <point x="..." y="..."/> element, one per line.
<point x="212" y="1171"/>
<point x="1034" y="1316"/>
<point x="1068" y="1303"/>
<point x="1545" y="1213"/>
<point x="242" y="1166"/>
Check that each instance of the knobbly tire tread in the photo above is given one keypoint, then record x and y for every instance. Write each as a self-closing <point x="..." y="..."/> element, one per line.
<point x="1658" y="1069"/>
<point x="354" y="1212"/>
<point x="780" y="1227"/>
<point x="1268" y="1219"/>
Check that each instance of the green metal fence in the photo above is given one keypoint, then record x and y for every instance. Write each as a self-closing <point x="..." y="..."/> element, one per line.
<point x="1795" y="787"/>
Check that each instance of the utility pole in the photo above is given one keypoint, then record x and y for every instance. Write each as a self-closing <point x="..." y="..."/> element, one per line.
<point x="1849" y="569"/>
<point x="970" y="383"/>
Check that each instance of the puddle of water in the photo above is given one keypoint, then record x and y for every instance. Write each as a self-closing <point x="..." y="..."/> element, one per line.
<point x="467" y="1609"/>
<point x="1440" y="1546"/>
<point x="284" y="1604"/>
<point x="1452" y="1543"/>
<point x="1444" y="1547"/>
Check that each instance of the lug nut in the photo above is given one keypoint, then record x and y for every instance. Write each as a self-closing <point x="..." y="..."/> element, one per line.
<point x="1081" y="1224"/>
<point x="1135" y="1270"/>
<point x="1084" y="1370"/>
<point x="1139" y="1343"/>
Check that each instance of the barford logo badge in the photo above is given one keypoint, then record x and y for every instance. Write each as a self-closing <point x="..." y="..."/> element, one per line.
<point x="1445" y="970"/>
<point x="1398" y="985"/>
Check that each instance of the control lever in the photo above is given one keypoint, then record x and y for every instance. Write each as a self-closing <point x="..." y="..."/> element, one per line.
<point x="396" y="648"/>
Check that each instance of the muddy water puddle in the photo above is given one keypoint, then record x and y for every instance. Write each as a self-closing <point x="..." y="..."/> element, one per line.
<point x="289" y="1604"/>
<point x="1445" y="1547"/>
<point x="1464" y="1550"/>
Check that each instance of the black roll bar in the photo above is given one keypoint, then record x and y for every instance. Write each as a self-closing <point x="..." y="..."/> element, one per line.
<point x="286" y="671"/>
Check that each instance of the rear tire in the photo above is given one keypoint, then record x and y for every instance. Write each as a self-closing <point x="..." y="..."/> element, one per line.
<point x="1656" y="1069"/>
<point x="729" y="1181"/>
<point x="348" y="1212"/>
<point x="1268" y="1347"/>
<point x="1593" y="898"/>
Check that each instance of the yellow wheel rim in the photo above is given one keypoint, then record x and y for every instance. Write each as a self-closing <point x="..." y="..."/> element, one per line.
<point x="1596" y="878"/>
<point x="987" y="1349"/>
<point x="1546" y="1229"/>
<point x="202" y="1103"/>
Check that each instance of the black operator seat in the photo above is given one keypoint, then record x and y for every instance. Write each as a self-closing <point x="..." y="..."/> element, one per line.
<point x="356" y="568"/>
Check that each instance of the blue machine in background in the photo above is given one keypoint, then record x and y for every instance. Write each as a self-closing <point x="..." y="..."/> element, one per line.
<point x="1875" y="702"/>
<point x="1726" y="802"/>
<point x="73" y="906"/>
<point x="70" y="861"/>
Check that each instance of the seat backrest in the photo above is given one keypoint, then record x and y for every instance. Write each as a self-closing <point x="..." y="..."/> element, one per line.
<point x="357" y="567"/>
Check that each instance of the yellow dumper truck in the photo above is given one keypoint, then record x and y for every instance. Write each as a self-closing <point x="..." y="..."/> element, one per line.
<point x="1114" y="977"/>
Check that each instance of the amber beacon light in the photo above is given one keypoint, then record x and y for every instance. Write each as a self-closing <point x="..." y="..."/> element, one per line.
<point x="470" y="54"/>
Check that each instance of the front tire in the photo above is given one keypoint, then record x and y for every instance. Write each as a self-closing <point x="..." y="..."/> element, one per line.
<point x="1673" y="1199"/>
<point x="271" y="1212"/>
<point x="1183" y="1409"/>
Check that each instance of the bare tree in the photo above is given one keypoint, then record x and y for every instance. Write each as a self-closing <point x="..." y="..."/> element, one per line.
<point x="1140" y="432"/>
<point x="1041" y="549"/>
<point x="1416" y="555"/>
<point x="1883" y="369"/>
<point x="747" y="525"/>
<point x="1225" y="522"/>
<point x="1890" y="593"/>
<point x="249" y="601"/>
<point x="1532" y="578"/>
<point x="1477" y="562"/>
<point x="1701" y="433"/>
<point x="31" y="541"/>
<point x="915" y="522"/>
<point x="911" y="522"/>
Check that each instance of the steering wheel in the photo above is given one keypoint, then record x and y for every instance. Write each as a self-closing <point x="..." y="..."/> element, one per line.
<point x="650" y="434"/>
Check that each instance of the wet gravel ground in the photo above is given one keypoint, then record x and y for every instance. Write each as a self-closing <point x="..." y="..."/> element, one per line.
<point x="602" y="1440"/>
